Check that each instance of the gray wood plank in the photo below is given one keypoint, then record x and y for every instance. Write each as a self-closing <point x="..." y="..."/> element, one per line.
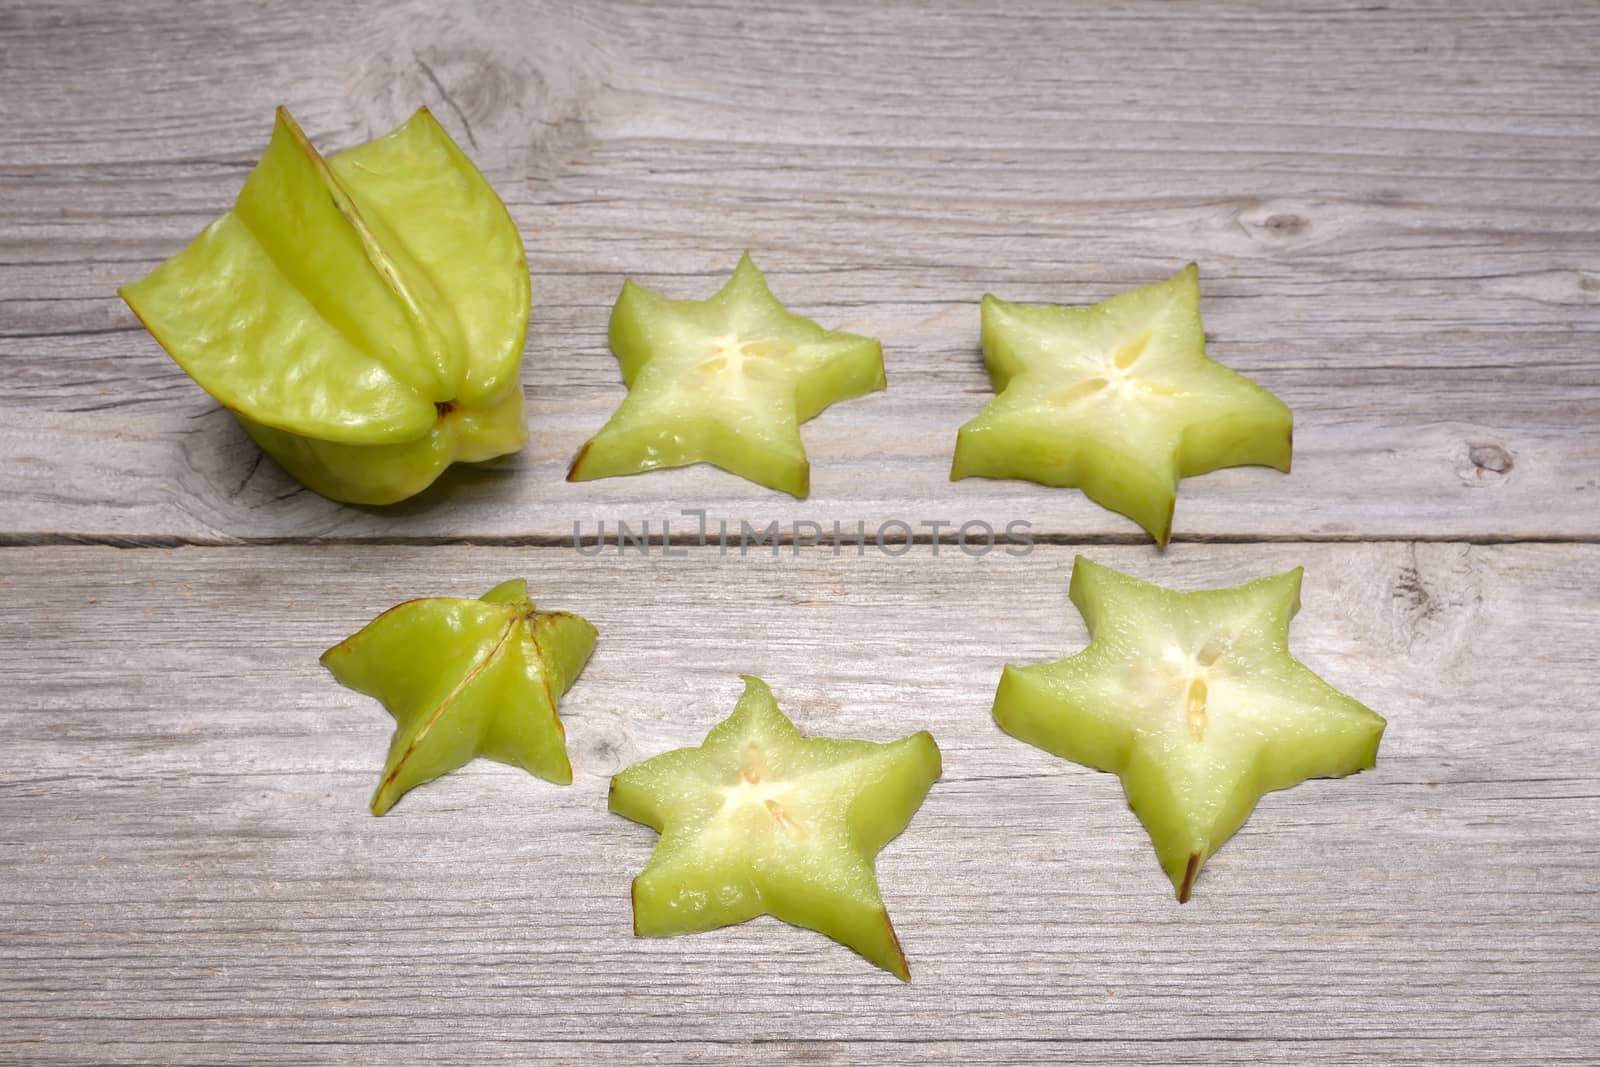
<point x="188" y="871"/>
<point x="1393" y="208"/>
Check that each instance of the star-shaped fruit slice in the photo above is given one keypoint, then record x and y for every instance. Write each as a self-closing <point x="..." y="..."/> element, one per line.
<point x="725" y="381"/>
<point x="761" y="821"/>
<point x="467" y="678"/>
<point x="1118" y="399"/>
<point x="1194" y="701"/>
<point x="362" y="315"/>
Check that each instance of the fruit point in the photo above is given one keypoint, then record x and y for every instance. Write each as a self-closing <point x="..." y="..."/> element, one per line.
<point x="363" y="316"/>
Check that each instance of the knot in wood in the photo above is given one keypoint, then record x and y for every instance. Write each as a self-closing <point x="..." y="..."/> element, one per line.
<point x="1489" y="462"/>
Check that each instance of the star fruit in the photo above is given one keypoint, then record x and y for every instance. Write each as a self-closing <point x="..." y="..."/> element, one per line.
<point x="761" y="821"/>
<point x="363" y="315"/>
<point x="467" y="678"/>
<point x="1118" y="399"/>
<point x="725" y="381"/>
<point x="1194" y="701"/>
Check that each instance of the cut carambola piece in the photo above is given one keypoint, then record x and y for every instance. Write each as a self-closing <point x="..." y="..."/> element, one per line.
<point x="761" y="821"/>
<point x="362" y="315"/>
<point x="467" y="678"/>
<point x="1117" y="399"/>
<point x="725" y="381"/>
<point x="1194" y="700"/>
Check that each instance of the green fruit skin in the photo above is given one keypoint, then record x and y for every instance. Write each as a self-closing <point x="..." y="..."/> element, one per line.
<point x="363" y="316"/>
<point x="387" y="474"/>
<point x="1052" y="706"/>
<point x="504" y="707"/>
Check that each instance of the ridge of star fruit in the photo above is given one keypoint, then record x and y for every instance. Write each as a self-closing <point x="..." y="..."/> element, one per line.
<point x="759" y="820"/>
<point x="467" y="678"/>
<point x="362" y="315"/>
<point x="1119" y="400"/>
<point x="726" y="381"/>
<point x="1194" y="701"/>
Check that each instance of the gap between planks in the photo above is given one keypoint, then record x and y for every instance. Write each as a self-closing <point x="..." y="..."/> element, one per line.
<point x="653" y="543"/>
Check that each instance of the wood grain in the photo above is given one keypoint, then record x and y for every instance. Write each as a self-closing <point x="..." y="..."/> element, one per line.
<point x="1392" y="207"/>
<point x="190" y="873"/>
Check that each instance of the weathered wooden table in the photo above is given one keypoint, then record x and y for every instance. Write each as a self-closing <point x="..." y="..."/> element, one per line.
<point x="1395" y="212"/>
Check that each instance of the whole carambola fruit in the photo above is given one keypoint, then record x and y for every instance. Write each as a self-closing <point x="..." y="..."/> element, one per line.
<point x="363" y="315"/>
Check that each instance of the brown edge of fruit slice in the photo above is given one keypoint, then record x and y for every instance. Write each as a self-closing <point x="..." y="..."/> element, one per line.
<point x="577" y="461"/>
<point x="904" y="972"/>
<point x="1190" y="873"/>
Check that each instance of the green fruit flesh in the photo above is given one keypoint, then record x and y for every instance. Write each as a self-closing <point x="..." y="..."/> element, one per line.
<point x="364" y="316"/>
<point x="383" y="474"/>
<point x="1118" y="399"/>
<point x="1194" y="700"/>
<point x="762" y="821"/>
<point x="726" y="381"/>
<point x="467" y="678"/>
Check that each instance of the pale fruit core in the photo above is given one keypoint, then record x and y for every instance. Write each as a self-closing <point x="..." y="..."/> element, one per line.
<point x="1179" y="684"/>
<point x="759" y="802"/>
<point x="732" y="359"/>
<point x="1116" y="371"/>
